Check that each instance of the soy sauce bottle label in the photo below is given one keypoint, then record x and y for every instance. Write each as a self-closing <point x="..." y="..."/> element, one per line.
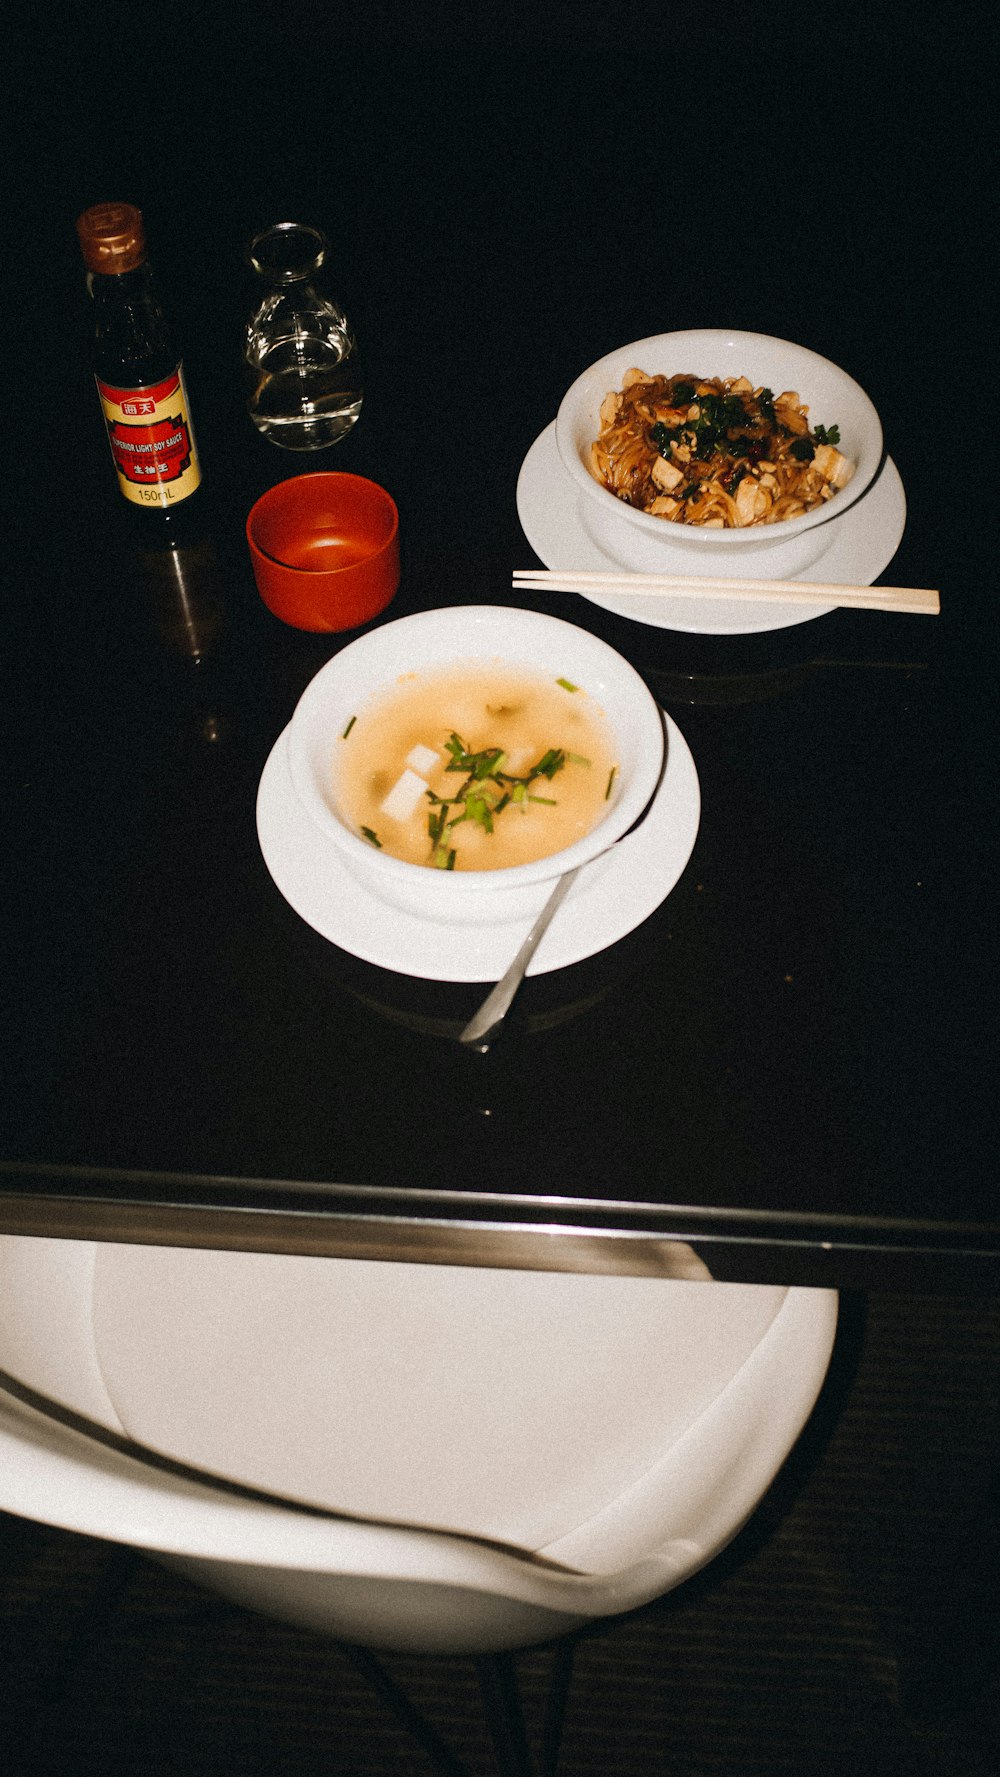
<point x="149" y="430"/>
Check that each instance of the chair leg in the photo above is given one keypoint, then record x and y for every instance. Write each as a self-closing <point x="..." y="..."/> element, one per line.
<point x="498" y="1682"/>
<point x="497" y="1674"/>
<point x="417" y="1725"/>
<point x="555" y="1704"/>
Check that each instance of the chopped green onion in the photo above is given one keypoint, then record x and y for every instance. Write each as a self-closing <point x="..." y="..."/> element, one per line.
<point x="350" y="725"/>
<point x="487" y="789"/>
<point x="479" y="810"/>
<point x="372" y="837"/>
<point x="611" y="779"/>
<point x="550" y="763"/>
<point x="566" y="685"/>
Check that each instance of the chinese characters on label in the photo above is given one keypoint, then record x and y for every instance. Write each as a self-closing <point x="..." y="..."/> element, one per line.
<point x="151" y="440"/>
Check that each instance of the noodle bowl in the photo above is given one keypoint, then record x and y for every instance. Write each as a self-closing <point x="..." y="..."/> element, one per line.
<point x="715" y="452"/>
<point x="646" y="386"/>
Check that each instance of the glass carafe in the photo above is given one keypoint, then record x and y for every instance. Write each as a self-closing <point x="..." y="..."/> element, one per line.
<point x="303" y="373"/>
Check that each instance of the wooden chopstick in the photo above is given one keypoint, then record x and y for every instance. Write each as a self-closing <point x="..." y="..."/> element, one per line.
<point x="915" y="600"/>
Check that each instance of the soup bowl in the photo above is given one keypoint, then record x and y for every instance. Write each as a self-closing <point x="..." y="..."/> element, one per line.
<point x="440" y="641"/>
<point x="641" y="540"/>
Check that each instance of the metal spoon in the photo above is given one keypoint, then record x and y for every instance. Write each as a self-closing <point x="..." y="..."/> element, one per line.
<point x="483" y="1027"/>
<point x="480" y="1030"/>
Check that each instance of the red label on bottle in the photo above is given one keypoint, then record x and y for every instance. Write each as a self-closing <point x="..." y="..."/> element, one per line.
<point x="151" y="453"/>
<point x="140" y="399"/>
<point x="149" y="431"/>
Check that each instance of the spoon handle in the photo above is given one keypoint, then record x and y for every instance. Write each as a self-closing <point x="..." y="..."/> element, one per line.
<point x="487" y="1021"/>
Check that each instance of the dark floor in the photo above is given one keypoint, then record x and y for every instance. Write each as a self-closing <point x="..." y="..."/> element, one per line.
<point x="851" y="1630"/>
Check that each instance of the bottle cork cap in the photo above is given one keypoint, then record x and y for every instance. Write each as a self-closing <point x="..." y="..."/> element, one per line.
<point x="112" y="238"/>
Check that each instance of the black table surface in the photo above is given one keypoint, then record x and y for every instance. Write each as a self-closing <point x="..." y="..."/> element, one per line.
<point x="791" y="1065"/>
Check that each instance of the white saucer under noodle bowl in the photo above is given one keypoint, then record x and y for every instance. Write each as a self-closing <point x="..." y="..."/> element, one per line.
<point x="643" y="541"/>
<point x="436" y="641"/>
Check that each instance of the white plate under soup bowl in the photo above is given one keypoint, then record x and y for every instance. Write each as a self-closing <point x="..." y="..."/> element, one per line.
<point x="433" y="641"/>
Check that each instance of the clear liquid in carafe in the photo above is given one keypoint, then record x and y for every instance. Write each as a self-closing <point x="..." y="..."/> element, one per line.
<point x="307" y="392"/>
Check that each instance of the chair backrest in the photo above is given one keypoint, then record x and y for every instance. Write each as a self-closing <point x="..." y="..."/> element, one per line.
<point x="515" y="1406"/>
<point x="621" y="1434"/>
<point x="47" y="1323"/>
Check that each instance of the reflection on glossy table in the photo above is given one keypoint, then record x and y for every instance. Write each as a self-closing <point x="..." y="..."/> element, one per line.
<point x="788" y="1065"/>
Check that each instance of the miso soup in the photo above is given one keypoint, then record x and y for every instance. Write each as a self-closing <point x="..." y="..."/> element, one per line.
<point x="476" y="767"/>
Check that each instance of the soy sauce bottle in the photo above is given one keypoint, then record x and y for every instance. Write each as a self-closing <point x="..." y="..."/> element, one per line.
<point x="139" y="374"/>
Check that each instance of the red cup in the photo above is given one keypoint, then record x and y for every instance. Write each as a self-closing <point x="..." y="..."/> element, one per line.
<point x="325" y="550"/>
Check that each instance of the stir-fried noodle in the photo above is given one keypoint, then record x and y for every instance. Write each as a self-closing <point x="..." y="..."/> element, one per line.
<point x="714" y="451"/>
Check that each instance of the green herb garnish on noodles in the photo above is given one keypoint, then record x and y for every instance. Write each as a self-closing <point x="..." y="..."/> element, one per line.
<point x="350" y="725"/>
<point x="611" y="779"/>
<point x="372" y="837"/>
<point x="566" y="685"/>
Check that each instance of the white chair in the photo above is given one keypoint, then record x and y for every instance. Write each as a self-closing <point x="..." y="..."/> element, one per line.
<point x="398" y="1455"/>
